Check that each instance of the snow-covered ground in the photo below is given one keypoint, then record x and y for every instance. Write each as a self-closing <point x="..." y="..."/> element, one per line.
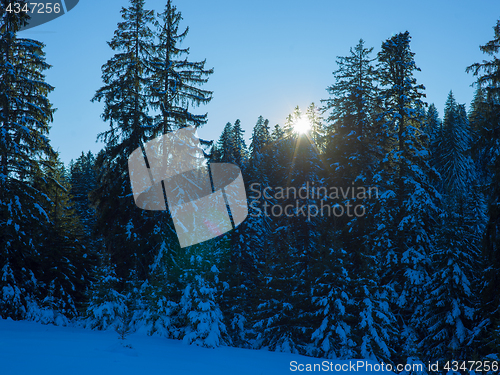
<point x="28" y="348"/>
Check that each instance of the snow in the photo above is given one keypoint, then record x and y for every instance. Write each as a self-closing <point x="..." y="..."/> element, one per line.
<point x="31" y="348"/>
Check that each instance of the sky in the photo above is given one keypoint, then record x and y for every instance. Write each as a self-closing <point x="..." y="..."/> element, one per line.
<point x="268" y="55"/>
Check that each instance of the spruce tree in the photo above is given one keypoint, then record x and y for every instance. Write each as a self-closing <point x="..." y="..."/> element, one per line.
<point x="25" y="114"/>
<point x="288" y="127"/>
<point x="64" y="259"/>
<point x="352" y="109"/>
<point x="332" y="294"/>
<point x="450" y="309"/>
<point x="106" y="305"/>
<point x="433" y="130"/>
<point x="175" y="81"/>
<point x="277" y="133"/>
<point x="317" y="131"/>
<point x="205" y="321"/>
<point x="225" y="145"/>
<point x="249" y="242"/>
<point x="240" y="152"/>
<point x="487" y="113"/>
<point x="260" y="137"/>
<point x="175" y="88"/>
<point x="288" y="257"/>
<point x="121" y="224"/>
<point x="83" y="182"/>
<point x="408" y="209"/>
<point x="148" y="89"/>
<point x="480" y="116"/>
<point x="352" y="152"/>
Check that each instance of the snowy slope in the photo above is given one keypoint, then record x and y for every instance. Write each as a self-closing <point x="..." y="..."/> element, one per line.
<point x="28" y="348"/>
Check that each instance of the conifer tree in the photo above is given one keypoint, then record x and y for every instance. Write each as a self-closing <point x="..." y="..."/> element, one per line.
<point x="433" y="130"/>
<point x="161" y="294"/>
<point x="352" y="108"/>
<point x="225" y="145"/>
<point x="408" y="207"/>
<point x="175" y="86"/>
<point x="175" y="82"/>
<point x="454" y="161"/>
<point x="432" y="121"/>
<point x="143" y="75"/>
<point x="482" y="131"/>
<point x="83" y="182"/>
<point x="288" y="128"/>
<point x="486" y="113"/>
<point x="249" y="242"/>
<point x="317" y="131"/>
<point x="239" y="145"/>
<point x="64" y="259"/>
<point x="125" y="76"/>
<point x="279" y="321"/>
<point x="352" y="152"/>
<point x="25" y="114"/>
<point x="277" y="133"/>
<point x="332" y="293"/>
<point x="205" y="322"/>
<point x="289" y="253"/>
<point x="106" y="305"/>
<point x="450" y="310"/>
<point x="260" y="136"/>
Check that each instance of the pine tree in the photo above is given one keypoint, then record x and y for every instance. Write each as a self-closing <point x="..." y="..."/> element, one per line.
<point x="248" y="242"/>
<point x="277" y="133"/>
<point x="260" y="137"/>
<point x="288" y="127"/>
<point x="175" y="86"/>
<point x="25" y="114"/>
<point x="64" y="259"/>
<point x="454" y="162"/>
<point x="162" y="295"/>
<point x="317" y="131"/>
<point x="225" y="145"/>
<point x="352" y="152"/>
<point x="121" y="224"/>
<point x="490" y="78"/>
<point x="175" y="81"/>
<point x="486" y="113"/>
<point x="278" y="320"/>
<point x="83" y="182"/>
<point x="334" y="338"/>
<point x="352" y="108"/>
<point x="433" y="129"/>
<point x="482" y="132"/>
<point x="407" y="209"/>
<point x="284" y="322"/>
<point x="106" y="305"/>
<point x="231" y="146"/>
<point x="239" y="146"/>
<point x="199" y="303"/>
<point x="451" y="307"/>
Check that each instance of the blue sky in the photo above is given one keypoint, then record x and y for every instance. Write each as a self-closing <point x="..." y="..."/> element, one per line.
<point x="268" y="56"/>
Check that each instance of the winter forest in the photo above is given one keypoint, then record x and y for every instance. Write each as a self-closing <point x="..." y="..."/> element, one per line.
<point x="373" y="227"/>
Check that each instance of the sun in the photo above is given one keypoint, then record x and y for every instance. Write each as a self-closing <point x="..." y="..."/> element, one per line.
<point x="301" y="125"/>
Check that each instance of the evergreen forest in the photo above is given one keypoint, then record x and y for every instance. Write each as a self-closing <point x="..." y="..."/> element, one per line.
<point x="373" y="232"/>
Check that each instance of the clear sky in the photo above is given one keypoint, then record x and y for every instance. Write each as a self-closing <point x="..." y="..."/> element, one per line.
<point x="268" y="56"/>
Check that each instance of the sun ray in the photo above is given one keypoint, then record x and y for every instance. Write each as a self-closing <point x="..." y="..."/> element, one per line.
<point x="302" y="125"/>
